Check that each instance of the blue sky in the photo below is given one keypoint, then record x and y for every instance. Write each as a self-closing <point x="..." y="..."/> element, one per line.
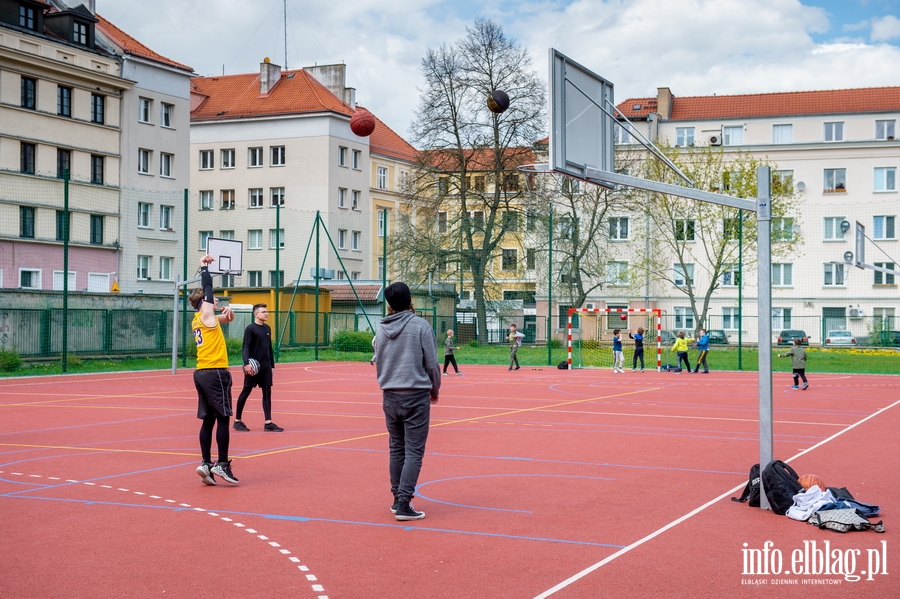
<point x="694" y="47"/>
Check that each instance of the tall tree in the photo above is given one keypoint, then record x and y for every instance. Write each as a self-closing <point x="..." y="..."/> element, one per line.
<point x="462" y="140"/>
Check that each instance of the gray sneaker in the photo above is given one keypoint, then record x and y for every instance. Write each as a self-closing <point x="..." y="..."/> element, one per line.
<point x="204" y="470"/>
<point x="223" y="470"/>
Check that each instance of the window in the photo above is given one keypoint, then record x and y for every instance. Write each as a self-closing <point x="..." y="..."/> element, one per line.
<point x="254" y="239"/>
<point x="731" y="319"/>
<point x="382" y="222"/>
<point x="782" y="181"/>
<point x="98" y="108"/>
<point x="64" y="101"/>
<point x="144" y="161"/>
<point x="509" y="260"/>
<point x="143" y="215"/>
<point x="58" y="280"/>
<point x="144" y="106"/>
<point x="256" y="197"/>
<point x="833" y="228"/>
<point x="342" y="197"/>
<point x="97" y="229"/>
<point x="29" y="278"/>
<point x="254" y="157"/>
<point x="884" y="278"/>
<point x="684" y="274"/>
<point x="227" y="200"/>
<point x="622" y="134"/>
<point x="342" y="239"/>
<point x="886" y="179"/>
<point x="782" y="229"/>
<point x="165" y="164"/>
<point x="510" y="221"/>
<point x="63" y="164"/>
<point x="834" y="275"/>
<point x="26" y="158"/>
<point x="684" y="136"/>
<point x="782" y="275"/>
<point x="276" y="239"/>
<point x="166" y="217"/>
<point x="530" y="258"/>
<point x="731" y="275"/>
<point x="354" y="200"/>
<point x="165" y="268"/>
<point x="884" y="227"/>
<point x="356" y="157"/>
<point x="479" y="183"/>
<point x="342" y="156"/>
<point x="381" y="178"/>
<point x="380" y="273"/>
<point x="61" y="225"/>
<point x="441" y="222"/>
<point x="511" y="182"/>
<point x="684" y="229"/>
<point x="277" y="196"/>
<point x="834" y="131"/>
<point x="276" y="278"/>
<point x="618" y="228"/>
<point x="616" y="273"/>
<point x="204" y="237"/>
<point x="206" y="160"/>
<point x="563" y="315"/>
<point x="206" y="200"/>
<point x="226" y="234"/>
<point x="26" y="222"/>
<point x="531" y="218"/>
<point x="277" y="156"/>
<point x="781" y="318"/>
<point x="255" y="278"/>
<point x="476" y="217"/>
<point x="835" y="180"/>
<point x="79" y="33"/>
<point x="96" y="169"/>
<point x="782" y="134"/>
<point x="355" y="237"/>
<point x="167" y="117"/>
<point x="885" y="129"/>
<point x="355" y="275"/>
<point x="227" y="158"/>
<point x="26" y="18"/>
<point x="733" y="136"/>
<point x="684" y="319"/>
<point x="29" y="89"/>
<point x="143" y="268"/>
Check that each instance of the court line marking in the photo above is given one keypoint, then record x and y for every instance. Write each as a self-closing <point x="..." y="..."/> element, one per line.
<point x="656" y="533"/>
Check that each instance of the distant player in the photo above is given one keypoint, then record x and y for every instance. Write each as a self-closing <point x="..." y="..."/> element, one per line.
<point x="638" y="337"/>
<point x="618" y="356"/>
<point x="515" y="342"/>
<point x="212" y="378"/>
<point x="680" y="347"/>
<point x="798" y="362"/>
<point x="703" y="346"/>
<point x="258" y="346"/>
<point x="449" y="358"/>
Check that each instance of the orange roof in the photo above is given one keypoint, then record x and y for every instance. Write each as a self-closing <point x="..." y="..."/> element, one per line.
<point x="343" y="293"/>
<point x="131" y="46"/>
<point x="481" y="159"/>
<point x="237" y="96"/>
<point x="386" y="142"/>
<point x="841" y="101"/>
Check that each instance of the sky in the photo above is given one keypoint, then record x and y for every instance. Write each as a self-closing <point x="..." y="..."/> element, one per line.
<point x="694" y="47"/>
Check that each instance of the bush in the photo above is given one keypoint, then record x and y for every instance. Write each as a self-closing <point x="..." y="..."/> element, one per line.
<point x="352" y="341"/>
<point x="473" y="343"/>
<point x="555" y="343"/>
<point x="73" y="361"/>
<point x="9" y="361"/>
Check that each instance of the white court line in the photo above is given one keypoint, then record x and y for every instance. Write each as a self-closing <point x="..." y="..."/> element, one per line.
<point x="674" y="523"/>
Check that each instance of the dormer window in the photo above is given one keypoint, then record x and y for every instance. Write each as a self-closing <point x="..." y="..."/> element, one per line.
<point x="80" y="33"/>
<point x="26" y="18"/>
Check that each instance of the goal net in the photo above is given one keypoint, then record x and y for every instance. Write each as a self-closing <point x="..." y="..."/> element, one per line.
<point x="590" y="336"/>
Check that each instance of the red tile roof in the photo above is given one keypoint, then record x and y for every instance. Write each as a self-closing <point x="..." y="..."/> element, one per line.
<point x="385" y="142"/>
<point x="344" y="294"/>
<point x="131" y="46"/>
<point x="841" y="101"/>
<point x="237" y="96"/>
<point x="481" y="159"/>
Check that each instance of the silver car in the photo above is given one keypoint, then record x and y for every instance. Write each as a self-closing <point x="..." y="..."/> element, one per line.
<point x="839" y="338"/>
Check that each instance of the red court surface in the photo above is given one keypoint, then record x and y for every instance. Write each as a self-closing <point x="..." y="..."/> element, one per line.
<point x="536" y="483"/>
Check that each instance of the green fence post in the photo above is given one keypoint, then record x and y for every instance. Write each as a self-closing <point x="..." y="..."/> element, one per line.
<point x="184" y="294"/>
<point x="65" y="297"/>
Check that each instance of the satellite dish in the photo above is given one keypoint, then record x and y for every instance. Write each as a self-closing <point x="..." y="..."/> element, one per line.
<point x="801" y="186"/>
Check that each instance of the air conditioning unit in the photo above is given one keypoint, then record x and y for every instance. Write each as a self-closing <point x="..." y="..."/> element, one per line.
<point x="715" y="140"/>
<point x="856" y="312"/>
<point x="590" y="306"/>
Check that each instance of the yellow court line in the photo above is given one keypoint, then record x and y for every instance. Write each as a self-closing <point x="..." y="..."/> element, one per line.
<point x="107" y="450"/>
<point x="509" y="413"/>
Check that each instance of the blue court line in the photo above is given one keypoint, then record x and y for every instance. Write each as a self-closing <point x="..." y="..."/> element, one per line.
<point x="331" y="521"/>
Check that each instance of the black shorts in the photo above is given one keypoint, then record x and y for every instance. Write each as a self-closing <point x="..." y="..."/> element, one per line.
<point x="263" y="378"/>
<point x="213" y="391"/>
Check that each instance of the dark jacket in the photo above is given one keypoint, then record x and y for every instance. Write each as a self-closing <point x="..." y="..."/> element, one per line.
<point x="406" y="354"/>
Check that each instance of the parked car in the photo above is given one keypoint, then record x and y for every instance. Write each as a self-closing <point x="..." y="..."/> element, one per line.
<point x="839" y="338"/>
<point x="885" y="339"/>
<point x="787" y="336"/>
<point x="717" y="337"/>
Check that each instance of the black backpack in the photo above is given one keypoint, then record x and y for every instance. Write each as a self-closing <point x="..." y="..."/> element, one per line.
<point x="781" y="484"/>
<point x="751" y="491"/>
<point x="564" y="365"/>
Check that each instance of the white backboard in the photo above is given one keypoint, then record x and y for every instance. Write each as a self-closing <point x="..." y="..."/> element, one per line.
<point x="228" y="254"/>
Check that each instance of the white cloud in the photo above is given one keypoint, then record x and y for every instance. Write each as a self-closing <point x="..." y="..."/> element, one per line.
<point x="885" y="28"/>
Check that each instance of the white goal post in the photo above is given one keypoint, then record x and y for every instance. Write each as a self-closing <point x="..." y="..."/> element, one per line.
<point x="654" y="313"/>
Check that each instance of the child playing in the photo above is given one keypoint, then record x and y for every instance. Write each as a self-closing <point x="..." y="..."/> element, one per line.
<point x="798" y="363"/>
<point x="372" y="361"/>
<point x="618" y="358"/>
<point x="515" y="342"/>
<point x="703" y="346"/>
<point x="638" y="348"/>
<point x="681" y="348"/>
<point x="449" y="358"/>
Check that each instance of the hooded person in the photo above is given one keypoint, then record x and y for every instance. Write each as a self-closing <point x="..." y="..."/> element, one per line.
<point x="410" y="377"/>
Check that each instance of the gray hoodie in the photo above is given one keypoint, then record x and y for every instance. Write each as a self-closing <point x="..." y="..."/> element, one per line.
<point x="406" y="354"/>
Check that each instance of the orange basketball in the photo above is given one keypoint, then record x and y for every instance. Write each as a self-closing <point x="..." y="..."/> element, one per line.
<point x="362" y="123"/>
<point x="810" y="480"/>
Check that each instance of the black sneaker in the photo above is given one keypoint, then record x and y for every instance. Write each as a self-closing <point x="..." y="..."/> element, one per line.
<point x="204" y="470"/>
<point x="406" y="512"/>
<point x="223" y="470"/>
<point x="239" y="426"/>
<point x="394" y="505"/>
<point x="271" y="426"/>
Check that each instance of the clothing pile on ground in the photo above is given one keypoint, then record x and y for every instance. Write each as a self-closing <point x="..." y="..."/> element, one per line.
<point x="834" y="509"/>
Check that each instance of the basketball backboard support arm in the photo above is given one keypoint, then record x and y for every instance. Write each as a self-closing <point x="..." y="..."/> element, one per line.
<point x="858" y="259"/>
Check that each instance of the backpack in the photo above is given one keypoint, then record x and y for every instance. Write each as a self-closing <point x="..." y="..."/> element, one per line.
<point x="781" y="484"/>
<point x="564" y="365"/>
<point x="751" y="491"/>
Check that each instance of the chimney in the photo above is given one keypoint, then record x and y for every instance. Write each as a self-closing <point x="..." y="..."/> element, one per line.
<point x="664" y="102"/>
<point x="334" y="77"/>
<point x="269" y="74"/>
<point x="92" y="6"/>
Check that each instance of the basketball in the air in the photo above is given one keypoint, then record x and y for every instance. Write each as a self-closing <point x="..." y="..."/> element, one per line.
<point x="497" y="101"/>
<point x="811" y="480"/>
<point x="624" y="317"/>
<point x="362" y="123"/>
